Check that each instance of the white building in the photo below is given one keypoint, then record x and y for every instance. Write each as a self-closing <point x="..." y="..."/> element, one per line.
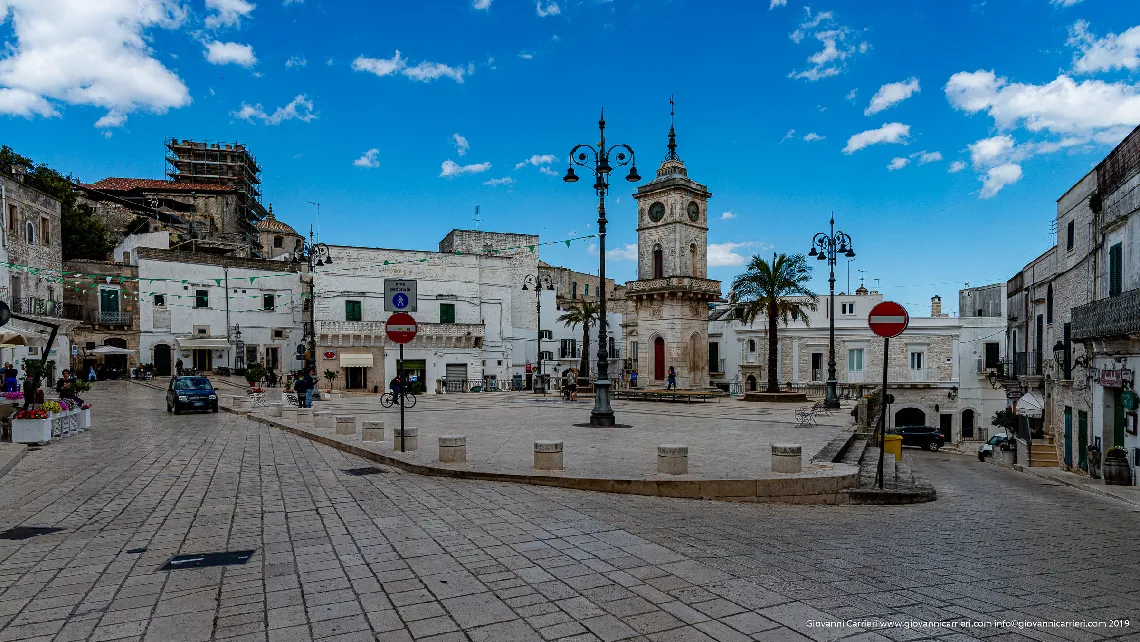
<point x="191" y="307"/>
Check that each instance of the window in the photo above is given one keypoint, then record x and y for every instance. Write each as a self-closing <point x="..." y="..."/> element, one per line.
<point x="693" y="260"/>
<point x="1067" y="362"/>
<point x="1049" y="304"/>
<point x="573" y="289"/>
<point x="352" y="311"/>
<point x="127" y="258"/>
<point x="278" y="334"/>
<point x="752" y="345"/>
<point x="1115" y="270"/>
<point x="90" y="345"/>
<point x="29" y="233"/>
<point x="268" y="302"/>
<point x="585" y="290"/>
<point x="447" y="313"/>
<point x="1069" y="236"/>
<point x="714" y="356"/>
<point x="993" y="352"/>
<point x="201" y="298"/>
<point x="658" y="262"/>
<point x="108" y="300"/>
<point x="547" y="334"/>
<point x="847" y="308"/>
<point x="855" y="360"/>
<point x="278" y="241"/>
<point x="546" y="355"/>
<point x="160" y="300"/>
<point x="202" y="330"/>
<point x="817" y="366"/>
<point x="45" y="237"/>
<point x="12" y="219"/>
<point x="916" y="360"/>
<point x="568" y="349"/>
<point x="633" y="347"/>
<point x="611" y="350"/>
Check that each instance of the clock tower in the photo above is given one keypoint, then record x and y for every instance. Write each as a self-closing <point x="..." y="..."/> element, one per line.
<point x="672" y="292"/>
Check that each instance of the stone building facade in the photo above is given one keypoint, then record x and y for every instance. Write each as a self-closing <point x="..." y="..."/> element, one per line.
<point x="103" y="299"/>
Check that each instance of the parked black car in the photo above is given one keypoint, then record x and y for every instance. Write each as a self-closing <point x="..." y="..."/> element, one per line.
<point x="191" y="393"/>
<point x="926" y="437"/>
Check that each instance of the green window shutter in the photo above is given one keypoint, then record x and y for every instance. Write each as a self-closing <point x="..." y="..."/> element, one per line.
<point x="447" y="313"/>
<point x="352" y="311"/>
<point x="1115" y="270"/>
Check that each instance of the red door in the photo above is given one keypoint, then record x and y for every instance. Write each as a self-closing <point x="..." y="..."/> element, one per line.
<point x="659" y="359"/>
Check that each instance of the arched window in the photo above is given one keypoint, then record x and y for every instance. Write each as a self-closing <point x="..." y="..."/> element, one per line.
<point x="658" y="262"/>
<point x="693" y="267"/>
<point x="29" y="233"/>
<point x="573" y="289"/>
<point x="1049" y="304"/>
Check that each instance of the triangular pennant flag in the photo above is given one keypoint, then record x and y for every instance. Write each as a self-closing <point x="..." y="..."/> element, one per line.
<point x="251" y="279"/>
<point x="531" y="248"/>
<point x="218" y="281"/>
<point x="567" y="242"/>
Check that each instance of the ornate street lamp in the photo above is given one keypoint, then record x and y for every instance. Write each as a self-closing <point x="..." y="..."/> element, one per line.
<point x="538" y="386"/>
<point x="317" y="255"/>
<point x="598" y="158"/>
<point x="826" y="247"/>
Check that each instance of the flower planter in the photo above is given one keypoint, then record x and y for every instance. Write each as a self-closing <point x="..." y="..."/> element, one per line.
<point x="31" y="431"/>
<point x="85" y="419"/>
<point x="1116" y="471"/>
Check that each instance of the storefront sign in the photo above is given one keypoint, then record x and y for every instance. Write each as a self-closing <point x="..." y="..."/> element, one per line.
<point x="330" y="355"/>
<point x="1128" y="400"/>
<point x="1115" y="378"/>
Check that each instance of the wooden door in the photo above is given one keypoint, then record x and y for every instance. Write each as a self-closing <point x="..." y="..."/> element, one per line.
<point x="659" y="359"/>
<point x="1068" y="437"/>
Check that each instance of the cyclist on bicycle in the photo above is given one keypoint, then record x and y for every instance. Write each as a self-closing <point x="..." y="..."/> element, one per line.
<point x="394" y="386"/>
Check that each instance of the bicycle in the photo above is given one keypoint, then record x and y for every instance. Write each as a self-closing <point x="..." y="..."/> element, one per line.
<point x="388" y="399"/>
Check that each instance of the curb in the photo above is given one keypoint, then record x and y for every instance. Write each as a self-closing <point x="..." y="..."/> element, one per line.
<point x="1085" y="487"/>
<point x="827" y="490"/>
<point x="19" y="451"/>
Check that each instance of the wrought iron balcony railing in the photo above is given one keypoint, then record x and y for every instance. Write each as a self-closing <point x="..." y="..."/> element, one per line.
<point x="1114" y="316"/>
<point x="112" y="318"/>
<point x="37" y="307"/>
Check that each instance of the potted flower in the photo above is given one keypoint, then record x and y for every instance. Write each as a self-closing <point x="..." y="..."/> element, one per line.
<point x="1116" y="470"/>
<point x="31" y="427"/>
<point x="330" y="376"/>
<point x="85" y="416"/>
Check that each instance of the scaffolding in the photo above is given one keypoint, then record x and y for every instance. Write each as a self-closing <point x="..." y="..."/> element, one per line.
<point x="206" y="162"/>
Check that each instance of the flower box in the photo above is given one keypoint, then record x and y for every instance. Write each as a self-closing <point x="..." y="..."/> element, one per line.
<point x="85" y="419"/>
<point x="31" y="431"/>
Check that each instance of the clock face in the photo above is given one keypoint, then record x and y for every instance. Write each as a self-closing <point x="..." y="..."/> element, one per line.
<point x="694" y="211"/>
<point x="656" y="212"/>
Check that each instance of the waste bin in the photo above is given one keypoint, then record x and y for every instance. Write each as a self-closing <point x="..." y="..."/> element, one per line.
<point x="516" y="382"/>
<point x="892" y="445"/>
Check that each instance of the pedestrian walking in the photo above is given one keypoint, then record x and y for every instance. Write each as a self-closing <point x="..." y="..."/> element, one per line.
<point x="633" y="378"/>
<point x="11" y="378"/>
<point x="91" y="374"/>
<point x="178" y="367"/>
<point x="671" y="382"/>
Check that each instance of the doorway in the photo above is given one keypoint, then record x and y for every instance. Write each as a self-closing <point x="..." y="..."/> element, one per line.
<point x="272" y="358"/>
<point x="910" y="417"/>
<point x="1068" y="437"/>
<point x="659" y="359"/>
<point x="751" y="383"/>
<point x="356" y="378"/>
<point x="946" y="427"/>
<point x="203" y="360"/>
<point x="817" y="366"/>
<point x="967" y="424"/>
<point x="162" y="360"/>
<point x="1082" y="440"/>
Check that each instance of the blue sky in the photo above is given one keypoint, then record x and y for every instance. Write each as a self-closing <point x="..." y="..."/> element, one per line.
<point x="786" y="110"/>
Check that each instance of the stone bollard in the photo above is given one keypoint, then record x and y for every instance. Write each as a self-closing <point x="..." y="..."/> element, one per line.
<point x="289" y="413"/>
<point x="305" y="416"/>
<point x="323" y="420"/>
<point x="241" y="403"/>
<point x="411" y="439"/>
<point x="372" y="431"/>
<point x="275" y="409"/>
<point x="548" y="455"/>
<point x="452" y="449"/>
<point x="345" y="424"/>
<point x="672" y="459"/>
<point x="787" y="458"/>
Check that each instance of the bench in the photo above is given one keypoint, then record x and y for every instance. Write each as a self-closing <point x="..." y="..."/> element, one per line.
<point x="635" y="394"/>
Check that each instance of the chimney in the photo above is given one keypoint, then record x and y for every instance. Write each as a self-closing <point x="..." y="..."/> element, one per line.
<point x="935" y="306"/>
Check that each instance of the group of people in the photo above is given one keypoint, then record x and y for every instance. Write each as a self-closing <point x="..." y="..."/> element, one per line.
<point x="304" y="388"/>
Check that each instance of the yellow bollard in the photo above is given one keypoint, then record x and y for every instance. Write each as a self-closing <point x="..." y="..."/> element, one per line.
<point x="893" y="446"/>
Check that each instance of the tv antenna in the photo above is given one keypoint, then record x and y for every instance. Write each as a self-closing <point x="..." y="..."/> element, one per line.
<point x="478" y="221"/>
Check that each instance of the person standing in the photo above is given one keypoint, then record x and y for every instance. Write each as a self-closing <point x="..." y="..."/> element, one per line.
<point x="633" y="378"/>
<point x="63" y="382"/>
<point x="11" y="378"/>
<point x="671" y="382"/>
<point x="178" y="367"/>
<point x="310" y="385"/>
<point x="573" y="384"/>
<point x="300" y="387"/>
<point x="91" y="374"/>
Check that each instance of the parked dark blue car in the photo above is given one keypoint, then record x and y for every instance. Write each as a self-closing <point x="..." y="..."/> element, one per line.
<point x="191" y="393"/>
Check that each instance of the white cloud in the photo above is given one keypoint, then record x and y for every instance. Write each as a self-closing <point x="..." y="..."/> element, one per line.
<point x="724" y="254"/>
<point x="812" y="136"/>
<point x="89" y="53"/>
<point x="991" y="151"/>
<point x="461" y="144"/>
<point x="956" y="167"/>
<point x="368" y="159"/>
<point x="898" y="163"/>
<point x="551" y="9"/>
<point x="423" y="71"/>
<point x="832" y="59"/>
<point x="1104" y="54"/>
<point x="889" y="133"/>
<point x="537" y="160"/>
<point x="728" y="216"/>
<point x="506" y="180"/>
<point x="550" y="172"/>
<point x="925" y="157"/>
<point x="299" y="109"/>
<point x="791" y="134"/>
<point x="1062" y="106"/>
<point x="286" y="3"/>
<point x="777" y="3"/>
<point x="450" y="168"/>
<point x="227" y="13"/>
<point x="111" y="119"/>
<point x="526" y="55"/>
<point x="627" y="253"/>
<point x="851" y="95"/>
<point x="481" y="5"/>
<point x="1064" y="3"/>
<point x="998" y="177"/>
<point x="296" y="61"/>
<point x="230" y="53"/>
<point x="890" y="95"/>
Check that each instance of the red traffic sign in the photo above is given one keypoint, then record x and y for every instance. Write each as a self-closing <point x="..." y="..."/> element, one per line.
<point x="401" y="327"/>
<point x="888" y="319"/>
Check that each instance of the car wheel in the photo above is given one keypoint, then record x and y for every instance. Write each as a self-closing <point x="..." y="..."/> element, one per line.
<point x="177" y="410"/>
<point x="981" y="456"/>
<point x="933" y="446"/>
<point x="215" y="408"/>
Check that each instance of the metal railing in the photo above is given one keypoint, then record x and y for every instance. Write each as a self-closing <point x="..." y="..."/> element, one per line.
<point x="103" y="317"/>
<point x="37" y="307"/>
<point x="1114" y="316"/>
<point x="455" y="385"/>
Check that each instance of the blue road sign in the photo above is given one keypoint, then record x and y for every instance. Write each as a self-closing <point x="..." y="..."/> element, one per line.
<point x="400" y="301"/>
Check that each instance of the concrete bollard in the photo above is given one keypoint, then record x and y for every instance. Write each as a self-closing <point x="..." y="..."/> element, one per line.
<point x="242" y="403"/>
<point x="672" y="459"/>
<point x="275" y="409"/>
<point x="345" y="424"/>
<point x="787" y="458"/>
<point x="411" y="439"/>
<point x="323" y="420"/>
<point x="305" y="416"/>
<point x="548" y="455"/>
<point x="372" y="431"/>
<point x="289" y="413"/>
<point x="452" y="449"/>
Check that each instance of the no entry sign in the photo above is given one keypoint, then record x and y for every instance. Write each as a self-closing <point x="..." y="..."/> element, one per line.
<point x="888" y="319"/>
<point x="401" y="327"/>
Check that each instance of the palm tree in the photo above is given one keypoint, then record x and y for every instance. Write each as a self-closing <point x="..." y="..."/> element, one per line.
<point x="584" y="312"/>
<point x="778" y="291"/>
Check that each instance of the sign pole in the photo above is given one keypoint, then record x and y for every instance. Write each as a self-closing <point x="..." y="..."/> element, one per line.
<point x="883" y="413"/>
<point x="400" y="374"/>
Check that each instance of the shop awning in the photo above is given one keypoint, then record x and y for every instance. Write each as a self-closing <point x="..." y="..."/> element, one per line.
<point x="192" y="343"/>
<point x="111" y="350"/>
<point x="1030" y="405"/>
<point x="355" y="360"/>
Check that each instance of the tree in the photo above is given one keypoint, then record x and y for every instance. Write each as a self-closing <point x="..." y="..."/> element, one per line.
<point x="778" y="291"/>
<point x="584" y="313"/>
<point x="330" y="376"/>
<point x="1005" y="418"/>
<point x="84" y="236"/>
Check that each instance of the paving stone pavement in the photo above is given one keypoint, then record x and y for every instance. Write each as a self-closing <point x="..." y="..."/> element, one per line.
<point x="395" y="556"/>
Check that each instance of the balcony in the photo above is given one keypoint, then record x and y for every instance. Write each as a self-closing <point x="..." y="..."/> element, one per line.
<point x="37" y="307"/>
<point x="376" y="328"/>
<point x="103" y="317"/>
<point x="695" y="285"/>
<point x="1111" y="317"/>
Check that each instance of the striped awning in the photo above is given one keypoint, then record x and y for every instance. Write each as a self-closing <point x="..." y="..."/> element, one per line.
<point x="356" y="360"/>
